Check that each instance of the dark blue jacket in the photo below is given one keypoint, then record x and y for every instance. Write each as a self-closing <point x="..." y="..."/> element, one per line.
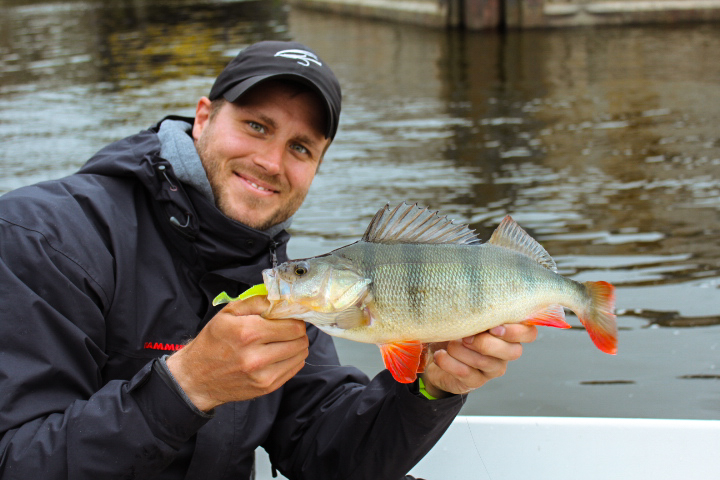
<point x="106" y="270"/>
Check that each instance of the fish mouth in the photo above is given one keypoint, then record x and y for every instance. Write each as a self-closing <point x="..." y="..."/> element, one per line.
<point x="278" y="294"/>
<point x="274" y="285"/>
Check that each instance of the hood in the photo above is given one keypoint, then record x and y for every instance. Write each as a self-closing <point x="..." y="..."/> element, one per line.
<point x="201" y="233"/>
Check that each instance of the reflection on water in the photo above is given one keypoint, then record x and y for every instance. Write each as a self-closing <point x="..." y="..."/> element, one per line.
<point x="602" y="144"/>
<point x="77" y="75"/>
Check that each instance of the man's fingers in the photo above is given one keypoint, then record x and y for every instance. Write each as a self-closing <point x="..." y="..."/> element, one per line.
<point x="459" y="377"/>
<point x="292" y="365"/>
<point x="272" y="376"/>
<point x="282" y="351"/>
<point x="452" y="365"/>
<point x="515" y="333"/>
<point x="490" y="361"/>
<point x="491" y="346"/>
<point x="260" y="329"/>
<point x="257" y="330"/>
<point x="252" y="306"/>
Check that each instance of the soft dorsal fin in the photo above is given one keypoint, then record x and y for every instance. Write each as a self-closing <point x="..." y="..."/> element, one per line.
<point x="412" y="224"/>
<point x="510" y="235"/>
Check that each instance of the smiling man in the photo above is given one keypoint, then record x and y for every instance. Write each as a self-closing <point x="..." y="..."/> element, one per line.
<point x="115" y="364"/>
<point x="261" y="152"/>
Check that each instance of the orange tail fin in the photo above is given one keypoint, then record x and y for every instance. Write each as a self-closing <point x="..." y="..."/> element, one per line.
<point x="599" y="320"/>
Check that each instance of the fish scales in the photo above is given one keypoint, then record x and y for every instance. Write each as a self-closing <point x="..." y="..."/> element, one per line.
<point x="434" y="292"/>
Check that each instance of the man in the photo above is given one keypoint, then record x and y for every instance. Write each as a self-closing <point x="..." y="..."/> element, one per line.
<point x="105" y="272"/>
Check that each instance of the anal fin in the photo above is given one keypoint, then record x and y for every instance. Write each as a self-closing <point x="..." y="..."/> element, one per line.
<point x="552" y="316"/>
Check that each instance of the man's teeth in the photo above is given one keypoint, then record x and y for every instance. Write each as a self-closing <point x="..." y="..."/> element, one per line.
<point x="259" y="187"/>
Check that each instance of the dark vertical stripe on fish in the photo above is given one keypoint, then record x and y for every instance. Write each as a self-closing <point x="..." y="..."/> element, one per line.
<point x="415" y="276"/>
<point x="468" y="270"/>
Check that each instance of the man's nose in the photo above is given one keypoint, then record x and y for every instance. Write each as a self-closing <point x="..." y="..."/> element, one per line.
<point x="270" y="158"/>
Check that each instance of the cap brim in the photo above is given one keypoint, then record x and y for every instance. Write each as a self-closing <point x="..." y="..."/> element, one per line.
<point x="234" y="93"/>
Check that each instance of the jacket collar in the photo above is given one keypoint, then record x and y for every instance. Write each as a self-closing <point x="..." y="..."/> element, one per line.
<point x="206" y="238"/>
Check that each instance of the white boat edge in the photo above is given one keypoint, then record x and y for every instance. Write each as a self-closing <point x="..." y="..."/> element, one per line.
<point x="572" y="448"/>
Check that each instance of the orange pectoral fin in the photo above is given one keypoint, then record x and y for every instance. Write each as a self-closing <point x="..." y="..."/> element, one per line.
<point x="402" y="359"/>
<point x="553" y="316"/>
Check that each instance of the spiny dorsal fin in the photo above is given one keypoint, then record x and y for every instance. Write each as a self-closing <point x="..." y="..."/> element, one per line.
<point x="510" y="235"/>
<point x="412" y="224"/>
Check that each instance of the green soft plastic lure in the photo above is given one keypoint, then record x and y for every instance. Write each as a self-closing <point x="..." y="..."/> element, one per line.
<point x="253" y="291"/>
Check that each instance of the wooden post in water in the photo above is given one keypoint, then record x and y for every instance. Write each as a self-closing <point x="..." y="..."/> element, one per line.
<point x="482" y="14"/>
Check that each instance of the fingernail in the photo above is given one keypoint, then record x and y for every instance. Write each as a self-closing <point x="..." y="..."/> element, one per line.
<point x="498" y="331"/>
<point x="469" y="339"/>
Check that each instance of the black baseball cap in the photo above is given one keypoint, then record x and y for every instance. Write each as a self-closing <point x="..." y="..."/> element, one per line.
<point x="281" y="60"/>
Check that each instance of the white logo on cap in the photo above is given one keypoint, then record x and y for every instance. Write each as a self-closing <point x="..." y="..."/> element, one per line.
<point x="302" y="56"/>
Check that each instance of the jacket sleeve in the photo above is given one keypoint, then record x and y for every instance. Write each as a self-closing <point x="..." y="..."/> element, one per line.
<point x="57" y="418"/>
<point x="335" y="424"/>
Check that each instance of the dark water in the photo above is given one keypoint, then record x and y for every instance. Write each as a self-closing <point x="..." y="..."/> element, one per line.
<point x="603" y="144"/>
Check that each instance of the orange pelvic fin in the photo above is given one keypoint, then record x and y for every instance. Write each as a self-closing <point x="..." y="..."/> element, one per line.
<point x="423" y="357"/>
<point x="600" y="321"/>
<point x="552" y="316"/>
<point x="403" y="359"/>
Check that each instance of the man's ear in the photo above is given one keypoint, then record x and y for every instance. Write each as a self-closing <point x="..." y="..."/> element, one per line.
<point x="202" y="116"/>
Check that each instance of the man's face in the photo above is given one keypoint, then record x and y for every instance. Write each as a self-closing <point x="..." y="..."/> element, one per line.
<point x="261" y="153"/>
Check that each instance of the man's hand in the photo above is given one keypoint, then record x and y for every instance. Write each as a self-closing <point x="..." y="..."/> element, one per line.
<point x="463" y="365"/>
<point x="239" y="355"/>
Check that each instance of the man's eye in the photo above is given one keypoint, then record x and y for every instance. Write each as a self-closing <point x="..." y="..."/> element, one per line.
<point x="300" y="149"/>
<point x="257" y="127"/>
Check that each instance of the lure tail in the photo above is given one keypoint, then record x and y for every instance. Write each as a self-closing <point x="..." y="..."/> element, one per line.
<point x="599" y="319"/>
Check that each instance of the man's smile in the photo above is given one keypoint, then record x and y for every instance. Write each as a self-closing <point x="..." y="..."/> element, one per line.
<point x="256" y="185"/>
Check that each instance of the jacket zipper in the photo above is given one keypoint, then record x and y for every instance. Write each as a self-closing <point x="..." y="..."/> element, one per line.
<point x="273" y="253"/>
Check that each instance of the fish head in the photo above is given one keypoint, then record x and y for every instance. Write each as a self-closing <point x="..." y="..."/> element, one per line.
<point x="324" y="284"/>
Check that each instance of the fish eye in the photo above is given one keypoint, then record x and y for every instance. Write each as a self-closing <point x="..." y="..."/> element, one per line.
<point x="301" y="269"/>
